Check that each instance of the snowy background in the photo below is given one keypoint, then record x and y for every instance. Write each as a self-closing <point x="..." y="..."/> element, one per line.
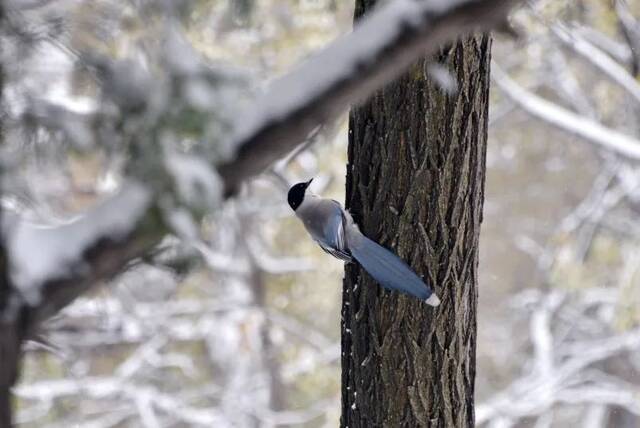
<point x="235" y="319"/>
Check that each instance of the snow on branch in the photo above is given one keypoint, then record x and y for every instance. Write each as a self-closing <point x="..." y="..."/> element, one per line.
<point x="563" y="366"/>
<point x="52" y="267"/>
<point x="617" y="50"/>
<point x="587" y="129"/>
<point x="598" y="59"/>
<point x="143" y="396"/>
<point x="379" y="49"/>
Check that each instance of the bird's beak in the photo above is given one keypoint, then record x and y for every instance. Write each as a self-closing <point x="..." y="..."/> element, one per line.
<point x="309" y="182"/>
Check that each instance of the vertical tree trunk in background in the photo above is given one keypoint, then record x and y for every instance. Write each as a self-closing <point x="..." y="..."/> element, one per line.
<point x="415" y="183"/>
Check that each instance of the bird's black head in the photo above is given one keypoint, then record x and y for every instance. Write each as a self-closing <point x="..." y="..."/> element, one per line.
<point x="296" y="194"/>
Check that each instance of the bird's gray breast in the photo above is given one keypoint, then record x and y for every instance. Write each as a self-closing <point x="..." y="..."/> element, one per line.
<point x="323" y="220"/>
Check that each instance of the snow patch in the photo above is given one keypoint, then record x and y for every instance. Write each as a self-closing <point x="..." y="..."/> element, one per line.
<point x="42" y="253"/>
<point x="339" y="62"/>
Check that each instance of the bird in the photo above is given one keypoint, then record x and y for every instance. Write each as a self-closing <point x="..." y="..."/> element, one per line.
<point x="334" y="230"/>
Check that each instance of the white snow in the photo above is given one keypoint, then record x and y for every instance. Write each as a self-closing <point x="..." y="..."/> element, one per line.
<point x="196" y="183"/>
<point x="39" y="253"/>
<point x="441" y="75"/>
<point x="339" y="62"/>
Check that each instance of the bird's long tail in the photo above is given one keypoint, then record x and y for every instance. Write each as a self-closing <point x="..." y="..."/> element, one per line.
<point x="385" y="267"/>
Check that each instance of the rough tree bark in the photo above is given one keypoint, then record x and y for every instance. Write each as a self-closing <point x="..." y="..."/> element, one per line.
<point x="415" y="183"/>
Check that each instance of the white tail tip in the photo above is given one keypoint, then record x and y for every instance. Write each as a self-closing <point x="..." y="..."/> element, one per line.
<point x="433" y="300"/>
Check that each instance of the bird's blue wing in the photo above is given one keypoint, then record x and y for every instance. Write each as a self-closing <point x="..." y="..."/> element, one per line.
<point x="332" y="240"/>
<point x="339" y="254"/>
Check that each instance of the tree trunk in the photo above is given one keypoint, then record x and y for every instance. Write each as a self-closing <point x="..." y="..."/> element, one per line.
<point x="415" y="183"/>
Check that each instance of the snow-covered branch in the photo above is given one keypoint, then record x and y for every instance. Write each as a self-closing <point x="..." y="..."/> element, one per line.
<point x="53" y="266"/>
<point x="617" y="50"/>
<point x="143" y="396"/>
<point x="631" y="32"/>
<point x="380" y="48"/>
<point x="563" y="372"/>
<point x="598" y="59"/>
<point x="587" y="129"/>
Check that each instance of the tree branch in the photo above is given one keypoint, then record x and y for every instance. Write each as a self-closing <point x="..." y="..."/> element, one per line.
<point x="617" y="50"/>
<point x="348" y="71"/>
<point x="563" y="119"/>
<point x="631" y="33"/>
<point x="598" y="59"/>
<point x="52" y="266"/>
